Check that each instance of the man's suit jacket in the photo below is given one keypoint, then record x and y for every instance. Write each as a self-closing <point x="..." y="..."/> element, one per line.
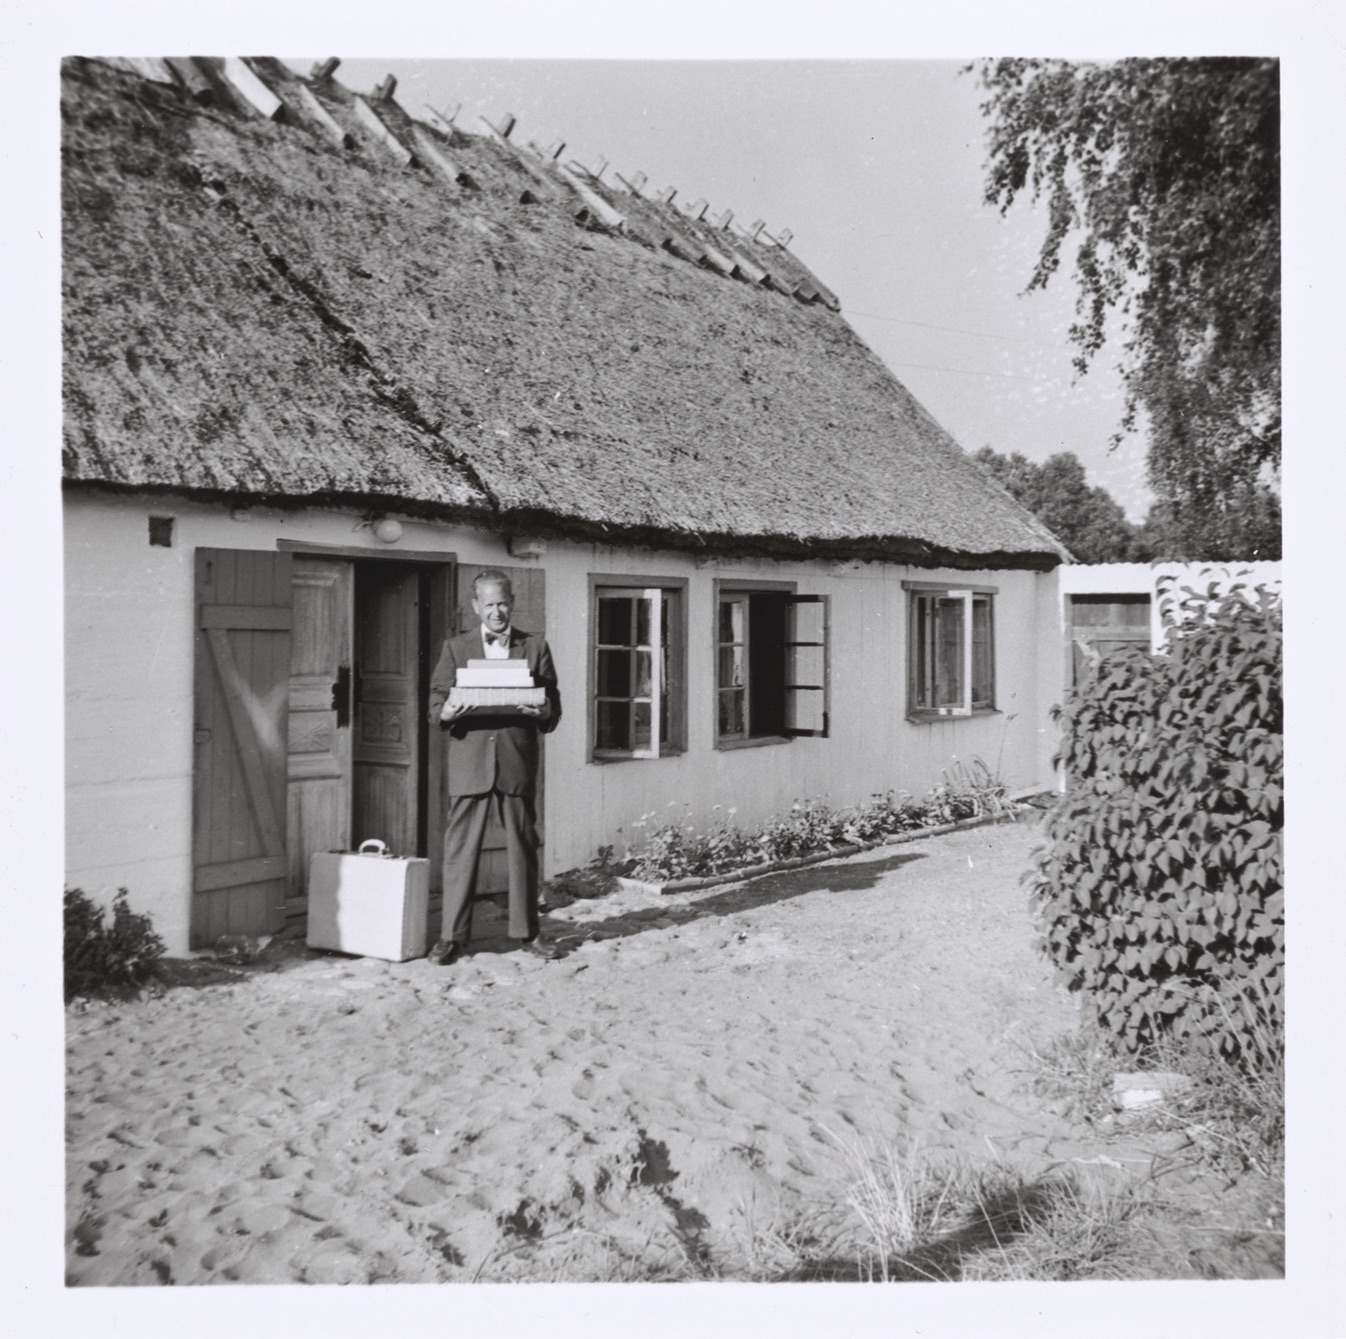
<point x="494" y="752"/>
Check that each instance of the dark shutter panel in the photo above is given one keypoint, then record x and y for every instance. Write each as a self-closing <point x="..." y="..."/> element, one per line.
<point x="808" y="688"/>
<point x="242" y="674"/>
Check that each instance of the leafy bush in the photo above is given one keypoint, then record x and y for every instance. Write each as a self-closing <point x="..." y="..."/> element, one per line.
<point x="1158" y="889"/>
<point x="103" y="959"/>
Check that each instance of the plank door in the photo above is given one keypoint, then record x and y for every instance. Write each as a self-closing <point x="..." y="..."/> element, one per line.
<point x="530" y="614"/>
<point x="1101" y="624"/>
<point x="319" y="761"/>
<point x="388" y="726"/>
<point x="241" y="690"/>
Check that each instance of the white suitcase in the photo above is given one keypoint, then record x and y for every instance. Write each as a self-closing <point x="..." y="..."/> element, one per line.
<point x="369" y="903"/>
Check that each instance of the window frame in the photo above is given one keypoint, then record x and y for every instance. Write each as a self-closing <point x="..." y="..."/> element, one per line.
<point x="599" y="584"/>
<point x="728" y="587"/>
<point x="971" y="594"/>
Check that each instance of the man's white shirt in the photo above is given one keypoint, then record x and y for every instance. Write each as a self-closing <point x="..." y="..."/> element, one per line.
<point x="495" y="650"/>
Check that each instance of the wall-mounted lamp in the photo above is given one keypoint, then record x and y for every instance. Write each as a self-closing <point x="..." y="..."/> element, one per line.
<point x="525" y="548"/>
<point x="383" y="528"/>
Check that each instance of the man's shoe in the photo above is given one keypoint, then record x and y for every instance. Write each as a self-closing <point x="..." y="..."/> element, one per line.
<point x="444" y="953"/>
<point x="539" y="948"/>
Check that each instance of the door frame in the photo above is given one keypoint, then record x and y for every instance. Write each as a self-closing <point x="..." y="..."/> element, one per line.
<point x="442" y="596"/>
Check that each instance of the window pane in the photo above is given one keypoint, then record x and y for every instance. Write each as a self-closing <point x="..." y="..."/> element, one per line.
<point x="614" y="725"/>
<point x="641" y="734"/>
<point x="806" y="666"/>
<point x="807" y="625"/>
<point x="731" y="712"/>
<point x="614" y="620"/>
<point x="949" y="653"/>
<point x="626" y="669"/>
<point x="732" y="667"/>
<point x="643" y="674"/>
<point x="732" y="620"/>
<point x="614" y="674"/>
<point x="804" y="710"/>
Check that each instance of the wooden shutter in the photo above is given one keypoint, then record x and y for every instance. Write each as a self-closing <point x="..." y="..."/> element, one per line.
<point x="242" y="681"/>
<point x="808" y="690"/>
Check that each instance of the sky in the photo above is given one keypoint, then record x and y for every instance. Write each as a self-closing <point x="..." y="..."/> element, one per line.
<point x="877" y="166"/>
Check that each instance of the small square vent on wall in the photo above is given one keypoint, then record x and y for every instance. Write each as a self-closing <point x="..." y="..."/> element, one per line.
<point x="161" y="531"/>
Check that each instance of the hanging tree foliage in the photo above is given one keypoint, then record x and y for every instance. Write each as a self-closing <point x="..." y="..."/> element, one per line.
<point x="1163" y="176"/>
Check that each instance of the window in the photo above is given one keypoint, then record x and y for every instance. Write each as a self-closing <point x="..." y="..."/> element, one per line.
<point x="638" y="671"/>
<point x="771" y="671"/>
<point x="951" y="651"/>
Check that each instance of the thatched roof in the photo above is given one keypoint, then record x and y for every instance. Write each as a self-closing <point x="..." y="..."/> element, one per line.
<point x="289" y="310"/>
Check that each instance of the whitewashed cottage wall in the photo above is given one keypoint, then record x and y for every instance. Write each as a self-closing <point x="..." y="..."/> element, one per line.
<point x="129" y="671"/>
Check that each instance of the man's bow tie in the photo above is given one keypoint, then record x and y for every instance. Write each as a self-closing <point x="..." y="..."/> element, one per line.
<point x="497" y="639"/>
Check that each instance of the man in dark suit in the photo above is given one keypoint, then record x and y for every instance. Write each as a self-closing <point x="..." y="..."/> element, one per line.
<point x="492" y="764"/>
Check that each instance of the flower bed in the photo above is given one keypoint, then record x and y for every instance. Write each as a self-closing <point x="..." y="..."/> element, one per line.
<point x="674" y="857"/>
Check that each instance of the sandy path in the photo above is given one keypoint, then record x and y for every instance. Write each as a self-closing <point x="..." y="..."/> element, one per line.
<point x="662" y="1091"/>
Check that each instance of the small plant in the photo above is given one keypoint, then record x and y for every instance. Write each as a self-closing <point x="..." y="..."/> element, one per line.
<point x="597" y="879"/>
<point x="103" y="959"/>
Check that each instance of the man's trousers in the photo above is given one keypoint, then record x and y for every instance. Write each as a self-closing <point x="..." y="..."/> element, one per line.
<point x="468" y="816"/>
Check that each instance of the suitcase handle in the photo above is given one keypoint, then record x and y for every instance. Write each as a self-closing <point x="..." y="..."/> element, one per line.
<point x="379" y="848"/>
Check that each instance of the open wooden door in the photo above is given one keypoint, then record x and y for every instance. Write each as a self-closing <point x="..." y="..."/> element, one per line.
<point x="242" y="680"/>
<point x="530" y="614"/>
<point x="388" y="714"/>
<point x="319" y="764"/>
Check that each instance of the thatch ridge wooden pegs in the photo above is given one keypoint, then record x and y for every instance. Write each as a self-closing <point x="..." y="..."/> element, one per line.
<point x="244" y="81"/>
<point x="319" y="114"/>
<point x="192" y="77"/>
<point x="380" y="133"/>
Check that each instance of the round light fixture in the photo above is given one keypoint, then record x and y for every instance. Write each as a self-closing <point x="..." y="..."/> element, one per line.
<point x="388" y="530"/>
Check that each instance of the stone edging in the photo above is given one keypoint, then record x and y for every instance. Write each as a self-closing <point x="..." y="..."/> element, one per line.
<point x="798" y="862"/>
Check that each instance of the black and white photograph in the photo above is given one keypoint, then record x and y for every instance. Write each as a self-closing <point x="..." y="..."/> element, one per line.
<point x="667" y="667"/>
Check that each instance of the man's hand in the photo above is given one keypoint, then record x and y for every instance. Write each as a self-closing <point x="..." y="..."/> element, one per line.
<point x="450" y="712"/>
<point x="539" y="713"/>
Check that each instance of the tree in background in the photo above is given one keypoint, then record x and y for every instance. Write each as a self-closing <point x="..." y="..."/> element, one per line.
<point x="1247" y="528"/>
<point x="1164" y="175"/>
<point x="1088" y="520"/>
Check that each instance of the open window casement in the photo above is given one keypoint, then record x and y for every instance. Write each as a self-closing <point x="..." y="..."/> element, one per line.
<point x="951" y="651"/>
<point x="647" y="700"/>
<point x="954" y="631"/>
<point x="808" y="705"/>
<point x="632" y="672"/>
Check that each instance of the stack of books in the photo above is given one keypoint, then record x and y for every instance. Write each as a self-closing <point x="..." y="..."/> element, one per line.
<point x="490" y="687"/>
